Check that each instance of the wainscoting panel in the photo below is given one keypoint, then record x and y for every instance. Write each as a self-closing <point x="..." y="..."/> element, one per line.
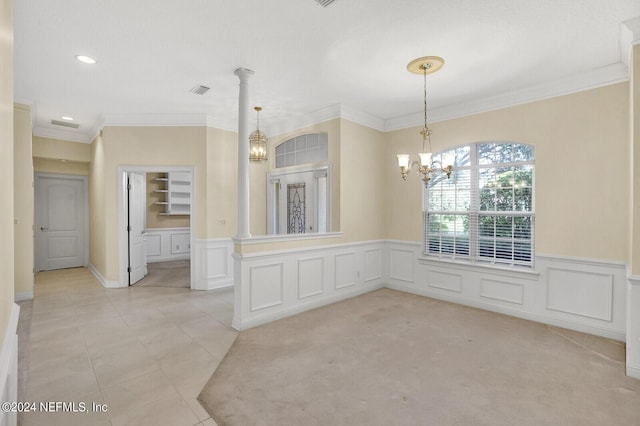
<point x="345" y="270"/>
<point x="502" y="290"/>
<point x="445" y="281"/>
<point x="277" y="284"/>
<point x="372" y="265"/>
<point x="154" y="246"/>
<point x="266" y="286"/>
<point x="580" y="294"/>
<point x="401" y="264"/>
<point x="9" y="368"/>
<point x="213" y="264"/>
<point x="310" y="277"/>
<point x="165" y="244"/>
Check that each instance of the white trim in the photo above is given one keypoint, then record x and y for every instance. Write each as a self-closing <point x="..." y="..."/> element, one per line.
<point x="480" y="267"/>
<point x="273" y="253"/>
<point x="9" y="367"/>
<point x="122" y="213"/>
<point x="276" y="293"/>
<point x="609" y="333"/>
<point x="284" y="312"/>
<point x="102" y="280"/>
<point x="581" y="260"/>
<point x="67" y="135"/>
<point x="21" y="297"/>
<point x="604" y="76"/>
<point x="633" y="370"/>
<point x="212" y="266"/>
<point x="151" y="120"/>
<point x="634" y="279"/>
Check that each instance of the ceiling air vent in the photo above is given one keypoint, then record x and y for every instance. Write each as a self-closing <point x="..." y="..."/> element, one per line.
<point x="200" y="89"/>
<point x="324" y="3"/>
<point x="65" y="124"/>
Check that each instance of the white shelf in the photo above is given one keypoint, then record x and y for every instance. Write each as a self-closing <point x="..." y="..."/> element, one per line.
<point x="177" y="192"/>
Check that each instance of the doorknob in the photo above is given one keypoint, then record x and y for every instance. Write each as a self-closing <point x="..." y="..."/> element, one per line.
<point x="44" y="228"/>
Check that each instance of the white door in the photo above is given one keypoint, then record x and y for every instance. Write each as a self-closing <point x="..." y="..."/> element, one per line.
<point x="60" y="223"/>
<point x="137" y="213"/>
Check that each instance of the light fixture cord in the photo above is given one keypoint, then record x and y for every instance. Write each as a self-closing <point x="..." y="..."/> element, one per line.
<point x="258" y="121"/>
<point x="425" y="135"/>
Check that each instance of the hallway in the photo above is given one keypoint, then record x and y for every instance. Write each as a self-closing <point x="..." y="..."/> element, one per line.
<point x="143" y="353"/>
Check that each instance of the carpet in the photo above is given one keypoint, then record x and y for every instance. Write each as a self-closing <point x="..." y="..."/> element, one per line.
<point x="391" y="358"/>
<point x="175" y="273"/>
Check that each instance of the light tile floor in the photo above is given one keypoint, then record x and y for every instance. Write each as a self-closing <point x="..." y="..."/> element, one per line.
<point x="145" y="353"/>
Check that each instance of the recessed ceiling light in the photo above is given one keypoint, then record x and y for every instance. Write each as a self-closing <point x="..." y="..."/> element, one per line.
<point x="86" y="59"/>
<point x="66" y="117"/>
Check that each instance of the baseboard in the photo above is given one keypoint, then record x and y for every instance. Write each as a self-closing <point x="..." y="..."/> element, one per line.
<point x="167" y="258"/>
<point x="300" y="308"/>
<point x="102" y="280"/>
<point x="21" y="297"/>
<point x="9" y="367"/>
<point x="633" y="371"/>
<point x="619" y="335"/>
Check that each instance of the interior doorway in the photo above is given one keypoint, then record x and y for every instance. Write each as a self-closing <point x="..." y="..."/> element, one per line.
<point x="152" y="254"/>
<point x="61" y="221"/>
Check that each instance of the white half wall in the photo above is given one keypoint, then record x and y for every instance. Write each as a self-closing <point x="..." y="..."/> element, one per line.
<point x="212" y="265"/>
<point x="9" y="368"/>
<point x="166" y="244"/>
<point x="633" y="327"/>
<point x="580" y="294"/>
<point x="274" y="285"/>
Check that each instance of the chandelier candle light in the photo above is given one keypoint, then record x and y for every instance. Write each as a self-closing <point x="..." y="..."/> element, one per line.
<point x="257" y="142"/>
<point x="426" y="165"/>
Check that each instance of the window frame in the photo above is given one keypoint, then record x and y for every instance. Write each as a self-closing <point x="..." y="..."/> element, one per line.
<point x="456" y="252"/>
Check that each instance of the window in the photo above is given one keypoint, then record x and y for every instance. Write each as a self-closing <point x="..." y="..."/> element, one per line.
<point x="484" y="213"/>
<point x="311" y="148"/>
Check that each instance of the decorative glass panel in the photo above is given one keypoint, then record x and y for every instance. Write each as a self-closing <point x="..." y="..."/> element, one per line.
<point x="296" y="208"/>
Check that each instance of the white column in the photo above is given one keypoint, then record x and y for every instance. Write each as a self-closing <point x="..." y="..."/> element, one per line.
<point x="243" y="154"/>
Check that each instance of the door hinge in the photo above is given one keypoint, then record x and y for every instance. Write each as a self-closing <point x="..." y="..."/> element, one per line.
<point x="128" y="228"/>
<point x="129" y="186"/>
<point x="129" y="269"/>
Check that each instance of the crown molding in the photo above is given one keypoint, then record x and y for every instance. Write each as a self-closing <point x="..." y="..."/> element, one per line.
<point x="604" y="76"/>
<point x="144" y="120"/>
<point x="297" y="122"/>
<point x="629" y="36"/>
<point x="361" y="117"/>
<point x="228" y="125"/>
<point x="65" y="135"/>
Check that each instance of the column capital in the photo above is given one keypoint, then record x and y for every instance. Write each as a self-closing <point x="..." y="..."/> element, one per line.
<point x="243" y="73"/>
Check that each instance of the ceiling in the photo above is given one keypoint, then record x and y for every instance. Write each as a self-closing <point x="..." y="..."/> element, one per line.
<point x="347" y="59"/>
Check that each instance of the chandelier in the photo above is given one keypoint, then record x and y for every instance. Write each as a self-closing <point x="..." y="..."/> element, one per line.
<point x="257" y="142"/>
<point x="426" y="166"/>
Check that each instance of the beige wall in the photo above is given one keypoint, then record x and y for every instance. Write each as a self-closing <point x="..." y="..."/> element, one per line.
<point x="582" y="169"/>
<point x="6" y="164"/>
<point x="23" y="199"/>
<point x="222" y="183"/>
<point x="362" y="197"/>
<point x="138" y="146"/>
<point x="358" y="199"/>
<point x="155" y="218"/>
<point x="98" y="207"/>
<point x="333" y="130"/>
<point x="57" y="149"/>
<point x="45" y="165"/>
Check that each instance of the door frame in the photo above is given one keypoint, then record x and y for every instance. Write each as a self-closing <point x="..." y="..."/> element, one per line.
<point x="122" y="215"/>
<point x="273" y="176"/>
<point x="85" y="188"/>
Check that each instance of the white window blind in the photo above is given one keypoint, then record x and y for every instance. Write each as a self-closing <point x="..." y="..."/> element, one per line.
<point x="484" y="213"/>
